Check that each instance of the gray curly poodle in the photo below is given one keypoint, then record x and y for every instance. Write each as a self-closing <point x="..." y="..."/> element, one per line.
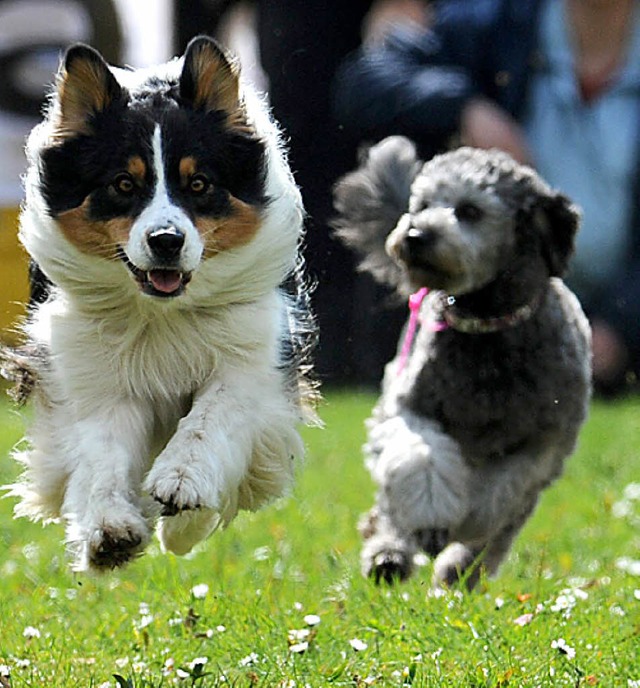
<point x="481" y="407"/>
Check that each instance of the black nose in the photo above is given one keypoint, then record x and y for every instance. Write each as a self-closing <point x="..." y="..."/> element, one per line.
<point x="166" y="243"/>
<point x="416" y="246"/>
<point x="417" y="240"/>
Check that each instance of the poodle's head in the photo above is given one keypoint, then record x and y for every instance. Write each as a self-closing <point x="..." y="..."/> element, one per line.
<point x="476" y="214"/>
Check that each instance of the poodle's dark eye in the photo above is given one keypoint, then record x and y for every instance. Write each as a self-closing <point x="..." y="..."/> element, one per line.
<point x="418" y="205"/>
<point x="469" y="212"/>
<point x="123" y="184"/>
<point x="199" y="184"/>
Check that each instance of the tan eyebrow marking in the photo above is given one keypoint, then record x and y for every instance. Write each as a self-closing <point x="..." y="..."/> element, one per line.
<point x="188" y="167"/>
<point x="137" y="168"/>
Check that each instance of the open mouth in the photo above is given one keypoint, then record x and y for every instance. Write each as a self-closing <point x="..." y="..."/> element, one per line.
<point x="161" y="282"/>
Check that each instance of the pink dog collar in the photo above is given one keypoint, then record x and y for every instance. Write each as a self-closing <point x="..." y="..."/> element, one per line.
<point x="415" y="303"/>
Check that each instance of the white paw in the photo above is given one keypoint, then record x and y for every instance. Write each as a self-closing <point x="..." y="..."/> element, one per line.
<point x="386" y="559"/>
<point x="180" y="533"/>
<point x="109" y="542"/>
<point x="183" y="482"/>
<point x="454" y="564"/>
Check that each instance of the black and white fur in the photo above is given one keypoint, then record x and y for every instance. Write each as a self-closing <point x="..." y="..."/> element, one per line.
<point x="496" y="385"/>
<point x="166" y="358"/>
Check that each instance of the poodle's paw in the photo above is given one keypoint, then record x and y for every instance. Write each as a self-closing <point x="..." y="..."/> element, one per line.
<point x="454" y="564"/>
<point x="182" y="485"/>
<point x="389" y="567"/>
<point x="432" y="540"/>
<point x="387" y="558"/>
<point x="110" y="542"/>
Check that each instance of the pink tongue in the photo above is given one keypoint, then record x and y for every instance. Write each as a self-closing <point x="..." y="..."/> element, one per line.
<point x="166" y="281"/>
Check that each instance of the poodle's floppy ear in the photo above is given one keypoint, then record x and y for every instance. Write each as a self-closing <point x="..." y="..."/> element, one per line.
<point x="557" y="220"/>
<point x="371" y="200"/>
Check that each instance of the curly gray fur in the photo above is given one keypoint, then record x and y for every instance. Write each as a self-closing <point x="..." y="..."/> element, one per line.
<point x="468" y="433"/>
<point x="371" y="200"/>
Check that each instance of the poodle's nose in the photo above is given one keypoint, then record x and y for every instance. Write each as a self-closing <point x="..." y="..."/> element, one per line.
<point x="417" y="241"/>
<point x="166" y="243"/>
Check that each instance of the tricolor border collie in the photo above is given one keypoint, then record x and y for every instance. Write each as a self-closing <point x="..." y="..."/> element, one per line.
<point x="168" y="358"/>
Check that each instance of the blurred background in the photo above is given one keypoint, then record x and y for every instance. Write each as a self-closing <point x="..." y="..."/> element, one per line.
<point x="290" y="51"/>
<point x="556" y="83"/>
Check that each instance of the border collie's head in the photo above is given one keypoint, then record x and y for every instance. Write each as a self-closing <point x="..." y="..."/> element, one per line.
<point x="156" y="170"/>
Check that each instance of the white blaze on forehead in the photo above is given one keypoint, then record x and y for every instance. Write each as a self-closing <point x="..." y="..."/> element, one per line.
<point x="158" y="164"/>
<point x="162" y="212"/>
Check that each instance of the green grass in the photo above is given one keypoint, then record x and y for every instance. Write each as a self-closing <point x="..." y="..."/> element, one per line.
<point x="300" y="557"/>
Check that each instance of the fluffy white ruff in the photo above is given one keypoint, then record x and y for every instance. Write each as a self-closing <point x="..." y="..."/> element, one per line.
<point x="145" y="401"/>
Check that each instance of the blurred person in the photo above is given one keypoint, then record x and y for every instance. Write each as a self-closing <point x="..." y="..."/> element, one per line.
<point x="33" y="36"/>
<point x="300" y="46"/>
<point x="556" y="83"/>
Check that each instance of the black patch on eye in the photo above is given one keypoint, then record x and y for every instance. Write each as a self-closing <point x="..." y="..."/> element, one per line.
<point x="232" y="160"/>
<point x="87" y="164"/>
<point x="469" y="212"/>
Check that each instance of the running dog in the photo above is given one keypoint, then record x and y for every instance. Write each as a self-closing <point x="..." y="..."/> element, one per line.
<point x="484" y="401"/>
<point x="167" y="341"/>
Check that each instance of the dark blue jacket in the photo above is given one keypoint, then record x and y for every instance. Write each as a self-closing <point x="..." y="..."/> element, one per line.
<point x="418" y="84"/>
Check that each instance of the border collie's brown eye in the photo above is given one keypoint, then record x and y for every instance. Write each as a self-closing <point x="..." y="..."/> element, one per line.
<point x="123" y="184"/>
<point x="469" y="212"/>
<point x="198" y="184"/>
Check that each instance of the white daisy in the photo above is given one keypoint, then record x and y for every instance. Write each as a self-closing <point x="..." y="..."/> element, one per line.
<point x="200" y="591"/>
<point x="358" y="645"/>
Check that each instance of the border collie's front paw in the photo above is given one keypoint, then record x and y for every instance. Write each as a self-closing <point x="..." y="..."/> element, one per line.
<point x="175" y="489"/>
<point x="180" y="487"/>
<point x="110" y="544"/>
<point x="114" y="547"/>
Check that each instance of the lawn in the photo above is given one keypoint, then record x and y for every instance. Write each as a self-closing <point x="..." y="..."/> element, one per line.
<point x="278" y="600"/>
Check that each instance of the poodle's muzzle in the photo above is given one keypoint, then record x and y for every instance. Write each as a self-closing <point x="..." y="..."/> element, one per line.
<point x="419" y="243"/>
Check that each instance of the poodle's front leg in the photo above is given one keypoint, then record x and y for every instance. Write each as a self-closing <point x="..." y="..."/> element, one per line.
<point x="387" y="554"/>
<point x="106" y="526"/>
<point x="503" y="496"/>
<point x="423" y="492"/>
<point x="466" y="562"/>
<point x="505" y="492"/>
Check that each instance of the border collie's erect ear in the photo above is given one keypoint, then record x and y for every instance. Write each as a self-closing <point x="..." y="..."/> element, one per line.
<point x="209" y="78"/>
<point x="86" y="87"/>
